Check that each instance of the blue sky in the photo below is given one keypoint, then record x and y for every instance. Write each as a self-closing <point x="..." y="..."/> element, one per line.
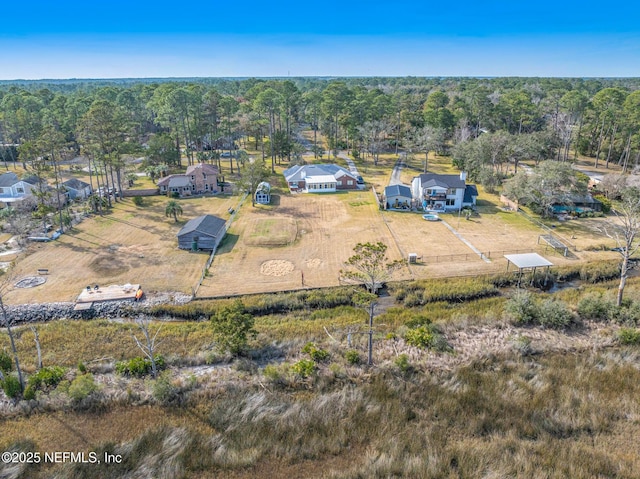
<point x="115" y="39"/>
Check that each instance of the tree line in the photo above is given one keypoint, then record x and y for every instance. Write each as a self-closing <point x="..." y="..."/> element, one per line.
<point x="488" y="125"/>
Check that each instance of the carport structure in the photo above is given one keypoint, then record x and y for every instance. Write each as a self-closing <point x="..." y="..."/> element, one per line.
<point x="527" y="262"/>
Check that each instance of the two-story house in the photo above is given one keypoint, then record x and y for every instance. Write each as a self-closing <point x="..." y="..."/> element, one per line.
<point x="197" y="180"/>
<point x="443" y="192"/>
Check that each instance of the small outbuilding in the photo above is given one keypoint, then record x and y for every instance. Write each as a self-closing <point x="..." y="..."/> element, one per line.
<point x="202" y="233"/>
<point x="77" y="189"/>
<point x="397" y="197"/>
<point x="263" y="193"/>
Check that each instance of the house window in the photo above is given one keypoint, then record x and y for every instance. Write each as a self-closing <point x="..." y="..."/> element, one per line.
<point x="340" y="183"/>
<point x="193" y="177"/>
<point x="206" y="187"/>
<point x="193" y="187"/>
<point x="204" y="176"/>
<point x="450" y="202"/>
<point x="20" y="189"/>
<point x="428" y="192"/>
<point x="349" y="182"/>
<point x="451" y="191"/>
<point x="1" y="191"/>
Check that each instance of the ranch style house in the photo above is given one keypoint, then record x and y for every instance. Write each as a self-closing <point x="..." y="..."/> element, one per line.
<point x="319" y="179"/>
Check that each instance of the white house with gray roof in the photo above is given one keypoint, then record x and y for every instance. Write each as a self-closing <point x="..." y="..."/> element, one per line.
<point x="443" y="192"/>
<point x="319" y="178"/>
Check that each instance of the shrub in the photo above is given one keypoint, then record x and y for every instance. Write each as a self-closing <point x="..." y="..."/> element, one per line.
<point x="304" y="368"/>
<point x="11" y="387"/>
<point x="628" y="314"/>
<point x="554" y="314"/>
<point x="5" y="362"/>
<point x="606" y="203"/>
<point x="418" y="320"/>
<point x="139" y="366"/>
<point x="232" y="326"/>
<point x="402" y="363"/>
<point x="595" y="307"/>
<point x="47" y="377"/>
<point x="164" y="391"/>
<point x="316" y="354"/>
<point x="522" y="345"/>
<point x="81" y="367"/>
<point x="521" y="308"/>
<point x="276" y="373"/>
<point x="629" y="336"/>
<point x="81" y="387"/>
<point x="420" y="337"/>
<point x="353" y="357"/>
<point x="138" y="201"/>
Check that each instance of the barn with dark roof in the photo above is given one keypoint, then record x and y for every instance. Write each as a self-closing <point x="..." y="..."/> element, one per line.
<point x="202" y="233"/>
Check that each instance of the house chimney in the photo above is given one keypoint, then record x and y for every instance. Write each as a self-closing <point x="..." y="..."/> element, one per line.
<point x="463" y="175"/>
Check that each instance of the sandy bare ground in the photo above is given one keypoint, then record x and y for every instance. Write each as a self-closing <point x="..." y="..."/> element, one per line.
<point x="327" y="228"/>
<point x="303" y="241"/>
<point x="130" y="245"/>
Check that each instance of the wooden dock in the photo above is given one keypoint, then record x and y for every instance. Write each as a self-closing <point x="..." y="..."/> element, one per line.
<point x="114" y="292"/>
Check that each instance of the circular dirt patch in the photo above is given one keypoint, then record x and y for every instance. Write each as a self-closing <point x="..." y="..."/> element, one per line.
<point x="30" y="282"/>
<point x="313" y="263"/>
<point x="108" y="265"/>
<point x="277" y="267"/>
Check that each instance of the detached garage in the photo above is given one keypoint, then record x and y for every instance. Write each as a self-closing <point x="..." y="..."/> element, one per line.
<point x="202" y="233"/>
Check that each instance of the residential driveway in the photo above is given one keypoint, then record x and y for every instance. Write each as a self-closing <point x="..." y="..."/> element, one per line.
<point x="352" y="166"/>
<point x="397" y="170"/>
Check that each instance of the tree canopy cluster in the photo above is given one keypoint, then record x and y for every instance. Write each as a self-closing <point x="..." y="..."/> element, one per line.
<point x="488" y="125"/>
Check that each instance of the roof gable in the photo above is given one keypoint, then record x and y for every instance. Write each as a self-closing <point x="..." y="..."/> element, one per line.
<point x="8" y="179"/>
<point x="444" y="181"/>
<point x="206" y="224"/>
<point x="397" y="190"/>
<point x="202" y="167"/>
<point x="300" y="172"/>
<point x="75" y="184"/>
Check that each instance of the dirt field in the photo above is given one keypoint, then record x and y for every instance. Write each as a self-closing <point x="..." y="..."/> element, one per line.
<point x="298" y="241"/>
<point x="130" y="245"/>
<point x="327" y="228"/>
<point x="308" y="237"/>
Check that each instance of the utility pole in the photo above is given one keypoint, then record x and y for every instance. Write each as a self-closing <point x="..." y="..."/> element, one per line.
<point x="371" y="308"/>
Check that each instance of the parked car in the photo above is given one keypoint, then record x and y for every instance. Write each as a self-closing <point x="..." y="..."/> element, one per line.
<point x="360" y="180"/>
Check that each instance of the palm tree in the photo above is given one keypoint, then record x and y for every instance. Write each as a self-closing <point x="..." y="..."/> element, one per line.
<point x="173" y="208"/>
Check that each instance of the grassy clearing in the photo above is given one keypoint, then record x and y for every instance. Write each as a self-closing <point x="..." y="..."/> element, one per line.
<point x="129" y="245"/>
<point x="272" y="232"/>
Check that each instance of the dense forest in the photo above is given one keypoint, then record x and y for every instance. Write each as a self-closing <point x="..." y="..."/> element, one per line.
<point x="488" y="125"/>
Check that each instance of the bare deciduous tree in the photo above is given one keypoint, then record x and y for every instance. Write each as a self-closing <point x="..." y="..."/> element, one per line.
<point x="625" y="233"/>
<point x="150" y="343"/>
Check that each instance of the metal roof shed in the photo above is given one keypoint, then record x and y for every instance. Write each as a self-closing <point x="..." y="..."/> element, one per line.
<point x="527" y="262"/>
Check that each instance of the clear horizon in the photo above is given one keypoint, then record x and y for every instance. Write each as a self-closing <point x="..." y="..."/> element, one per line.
<point x="73" y="40"/>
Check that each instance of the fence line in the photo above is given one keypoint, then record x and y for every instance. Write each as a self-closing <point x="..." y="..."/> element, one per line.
<point x="546" y="228"/>
<point x="227" y="225"/>
<point x="450" y="258"/>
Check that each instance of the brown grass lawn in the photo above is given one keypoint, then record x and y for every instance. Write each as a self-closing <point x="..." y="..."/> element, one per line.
<point x="327" y="227"/>
<point x="129" y="245"/>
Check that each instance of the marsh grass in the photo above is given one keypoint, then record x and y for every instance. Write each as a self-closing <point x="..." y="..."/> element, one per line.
<point x="561" y="415"/>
